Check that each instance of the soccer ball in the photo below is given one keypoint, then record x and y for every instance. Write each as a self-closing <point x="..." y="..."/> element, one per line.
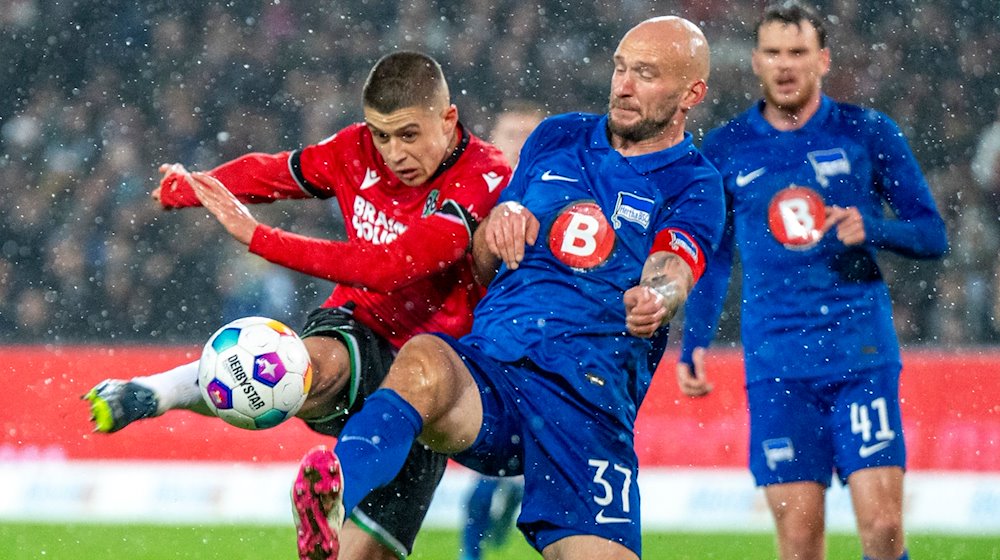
<point x="254" y="373"/>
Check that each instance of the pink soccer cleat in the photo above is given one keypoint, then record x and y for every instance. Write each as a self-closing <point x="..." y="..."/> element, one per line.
<point x="318" y="498"/>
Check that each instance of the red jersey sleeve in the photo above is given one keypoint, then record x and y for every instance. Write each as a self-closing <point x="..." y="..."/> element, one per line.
<point x="253" y="178"/>
<point x="260" y="177"/>
<point x="425" y="248"/>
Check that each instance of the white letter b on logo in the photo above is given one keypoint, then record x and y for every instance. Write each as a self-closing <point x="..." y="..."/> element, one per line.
<point x="579" y="238"/>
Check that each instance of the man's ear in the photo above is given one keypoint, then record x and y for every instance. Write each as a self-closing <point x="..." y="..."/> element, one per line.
<point x="450" y="119"/>
<point x="694" y="95"/>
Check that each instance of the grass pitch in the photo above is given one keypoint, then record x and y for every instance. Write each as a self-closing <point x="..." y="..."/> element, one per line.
<point x="24" y="541"/>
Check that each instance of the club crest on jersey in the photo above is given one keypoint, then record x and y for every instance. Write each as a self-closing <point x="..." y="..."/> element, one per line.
<point x="581" y="236"/>
<point x="430" y="205"/>
<point x="632" y="208"/>
<point x="827" y="163"/>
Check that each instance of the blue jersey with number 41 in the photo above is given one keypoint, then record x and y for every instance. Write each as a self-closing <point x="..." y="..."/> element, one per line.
<point x="813" y="306"/>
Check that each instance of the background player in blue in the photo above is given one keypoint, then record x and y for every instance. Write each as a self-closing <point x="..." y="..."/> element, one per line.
<point x="601" y="234"/>
<point x="806" y="179"/>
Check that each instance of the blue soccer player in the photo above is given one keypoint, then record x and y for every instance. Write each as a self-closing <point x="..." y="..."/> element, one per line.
<point x="806" y="181"/>
<point x="494" y="501"/>
<point x="603" y="230"/>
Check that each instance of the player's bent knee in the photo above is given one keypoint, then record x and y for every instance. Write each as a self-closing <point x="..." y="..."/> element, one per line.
<point x="424" y="370"/>
<point x="431" y="376"/>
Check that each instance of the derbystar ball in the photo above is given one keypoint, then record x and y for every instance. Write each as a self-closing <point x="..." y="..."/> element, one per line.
<point x="254" y="373"/>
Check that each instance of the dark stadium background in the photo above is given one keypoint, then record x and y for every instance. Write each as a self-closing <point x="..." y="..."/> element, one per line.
<point x="95" y="95"/>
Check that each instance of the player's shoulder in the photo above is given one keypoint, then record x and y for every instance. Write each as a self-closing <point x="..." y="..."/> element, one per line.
<point x="478" y="172"/>
<point x="862" y="121"/>
<point x="559" y="135"/>
<point x="351" y="134"/>
<point x="729" y="134"/>
<point x="566" y="127"/>
<point x="482" y="154"/>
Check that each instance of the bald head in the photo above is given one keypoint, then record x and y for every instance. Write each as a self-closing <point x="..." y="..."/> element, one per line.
<point x="661" y="66"/>
<point x="679" y="42"/>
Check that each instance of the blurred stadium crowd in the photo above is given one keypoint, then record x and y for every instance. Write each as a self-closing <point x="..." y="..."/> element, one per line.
<point x="95" y="95"/>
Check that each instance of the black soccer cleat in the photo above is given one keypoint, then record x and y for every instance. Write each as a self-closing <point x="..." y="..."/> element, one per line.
<point x="115" y="404"/>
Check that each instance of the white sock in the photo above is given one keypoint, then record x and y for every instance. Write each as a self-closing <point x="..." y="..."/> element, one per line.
<point x="175" y="388"/>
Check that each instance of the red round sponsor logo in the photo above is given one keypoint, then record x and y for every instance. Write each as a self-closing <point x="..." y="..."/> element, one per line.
<point x="581" y="236"/>
<point x="796" y="216"/>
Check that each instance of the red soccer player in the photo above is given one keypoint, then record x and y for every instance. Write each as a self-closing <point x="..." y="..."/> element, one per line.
<point x="412" y="183"/>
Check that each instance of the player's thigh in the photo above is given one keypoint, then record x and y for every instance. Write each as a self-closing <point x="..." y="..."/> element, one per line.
<point x="587" y="547"/>
<point x="790" y="436"/>
<point x="796" y="503"/>
<point x="430" y="375"/>
<point x="350" y="362"/>
<point x="331" y="363"/>
<point x="867" y="423"/>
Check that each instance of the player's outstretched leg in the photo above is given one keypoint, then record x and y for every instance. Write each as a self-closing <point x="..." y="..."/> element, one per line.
<point x="115" y="404"/>
<point x="318" y="498"/>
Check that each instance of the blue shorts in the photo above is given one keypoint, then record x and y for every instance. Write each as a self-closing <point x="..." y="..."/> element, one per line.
<point x="578" y="460"/>
<point x="807" y="429"/>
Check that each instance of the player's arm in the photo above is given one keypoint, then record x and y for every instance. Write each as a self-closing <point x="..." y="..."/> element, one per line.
<point x="253" y="178"/>
<point x="665" y="284"/>
<point x="704" y="304"/>
<point x="259" y="177"/>
<point x="501" y="238"/>
<point x="425" y="248"/>
<point x="701" y="315"/>
<point x="917" y="229"/>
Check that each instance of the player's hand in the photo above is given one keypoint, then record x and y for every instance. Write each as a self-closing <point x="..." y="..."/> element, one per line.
<point x="849" y="223"/>
<point x="693" y="382"/>
<point x="230" y="212"/>
<point x="509" y="228"/>
<point x="644" y="311"/>
<point x="172" y="172"/>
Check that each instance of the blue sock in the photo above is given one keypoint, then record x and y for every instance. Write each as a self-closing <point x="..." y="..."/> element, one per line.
<point x="905" y="556"/>
<point x="374" y="444"/>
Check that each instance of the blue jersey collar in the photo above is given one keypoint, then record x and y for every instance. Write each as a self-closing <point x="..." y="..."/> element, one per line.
<point x="761" y="126"/>
<point x="645" y="163"/>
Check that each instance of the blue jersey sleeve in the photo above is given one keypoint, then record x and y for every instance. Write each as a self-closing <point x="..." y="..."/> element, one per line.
<point x="917" y="231"/>
<point x="701" y="214"/>
<point x="704" y="304"/>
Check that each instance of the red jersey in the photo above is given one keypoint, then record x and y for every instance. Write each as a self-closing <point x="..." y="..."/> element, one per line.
<point x="406" y="265"/>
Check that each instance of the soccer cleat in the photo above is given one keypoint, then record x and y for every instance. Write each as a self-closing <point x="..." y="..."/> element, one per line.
<point x="318" y="498"/>
<point x="115" y="404"/>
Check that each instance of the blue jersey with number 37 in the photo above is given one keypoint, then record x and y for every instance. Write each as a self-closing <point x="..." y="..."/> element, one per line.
<point x="813" y="306"/>
<point x="599" y="214"/>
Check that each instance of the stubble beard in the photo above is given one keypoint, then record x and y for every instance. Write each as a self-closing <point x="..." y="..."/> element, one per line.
<point x="789" y="104"/>
<point x="645" y="129"/>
